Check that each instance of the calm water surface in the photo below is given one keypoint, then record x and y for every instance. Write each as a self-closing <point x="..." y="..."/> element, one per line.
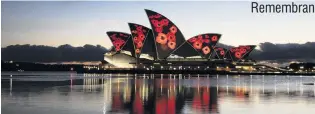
<point x="71" y="93"/>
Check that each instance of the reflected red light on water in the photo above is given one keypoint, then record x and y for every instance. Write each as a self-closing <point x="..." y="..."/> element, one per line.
<point x="117" y="102"/>
<point x="163" y="97"/>
<point x="161" y="104"/>
<point x="137" y="104"/>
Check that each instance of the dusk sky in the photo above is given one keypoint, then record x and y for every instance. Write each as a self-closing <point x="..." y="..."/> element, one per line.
<point x="79" y="23"/>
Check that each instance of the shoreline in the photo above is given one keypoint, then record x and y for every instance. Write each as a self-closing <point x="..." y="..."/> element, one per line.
<point x="165" y="72"/>
<point x="193" y="72"/>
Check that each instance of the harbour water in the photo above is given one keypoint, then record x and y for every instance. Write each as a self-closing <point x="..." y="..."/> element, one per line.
<point x="71" y="93"/>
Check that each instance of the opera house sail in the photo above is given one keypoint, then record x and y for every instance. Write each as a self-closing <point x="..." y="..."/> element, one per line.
<point x="204" y="43"/>
<point x="220" y="52"/>
<point x="237" y="53"/>
<point x="252" y="47"/>
<point x="120" y="41"/>
<point x="167" y="36"/>
<point x="143" y="41"/>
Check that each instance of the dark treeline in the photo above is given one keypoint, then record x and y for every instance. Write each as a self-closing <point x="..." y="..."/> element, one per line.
<point x="270" y="51"/>
<point x="40" y="53"/>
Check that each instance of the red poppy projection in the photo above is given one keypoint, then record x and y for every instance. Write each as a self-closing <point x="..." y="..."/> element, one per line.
<point x="167" y="35"/>
<point x="139" y="34"/>
<point x="220" y="52"/>
<point x="237" y="53"/>
<point x="166" y="39"/>
<point x="204" y="43"/>
<point x="118" y="39"/>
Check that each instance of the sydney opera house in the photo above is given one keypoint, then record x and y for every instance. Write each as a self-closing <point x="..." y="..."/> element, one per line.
<point x="163" y="45"/>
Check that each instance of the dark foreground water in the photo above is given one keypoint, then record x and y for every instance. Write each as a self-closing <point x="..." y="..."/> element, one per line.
<point x="70" y="93"/>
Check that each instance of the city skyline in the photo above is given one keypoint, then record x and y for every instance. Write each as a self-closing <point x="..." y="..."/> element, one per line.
<point x="80" y="23"/>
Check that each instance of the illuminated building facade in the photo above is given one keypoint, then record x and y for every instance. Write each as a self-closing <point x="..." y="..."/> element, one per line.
<point x="165" y="42"/>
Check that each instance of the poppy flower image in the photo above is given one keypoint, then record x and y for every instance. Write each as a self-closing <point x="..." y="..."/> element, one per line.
<point x="155" y="22"/>
<point x="238" y="55"/>
<point x="135" y="44"/>
<point x="139" y="44"/>
<point x="206" y="41"/>
<point x="233" y="50"/>
<point x="139" y="32"/>
<point x="123" y="41"/>
<point x="117" y="44"/>
<point x="197" y="45"/>
<point x="222" y="53"/>
<point x="207" y="36"/>
<point x="158" y="16"/>
<point x="139" y="28"/>
<point x="158" y="29"/>
<point x="199" y="40"/>
<point x="159" y="24"/>
<point x="161" y="38"/>
<point x="137" y="51"/>
<point x="141" y="37"/>
<point x="118" y="39"/>
<point x="117" y="48"/>
<point x="165" y="22"/>
<point x="242" y="50"/>
<point x="135" y="39"/>
<point x="171" y="45"/>
<point x="113" y="37"/>
<point x="200" y="37"/>
<point x="245" y="47"/>
<point x="214" y="38"/>
<point x="171" y="37"/>
<point x="173" y="29"/>
<point x="206" y="50"/>
<point x="192" y="40"/>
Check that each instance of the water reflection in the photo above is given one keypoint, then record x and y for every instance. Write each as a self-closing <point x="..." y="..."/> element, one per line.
<point x="169" y="94"/>
<point x="160" y="94"/>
